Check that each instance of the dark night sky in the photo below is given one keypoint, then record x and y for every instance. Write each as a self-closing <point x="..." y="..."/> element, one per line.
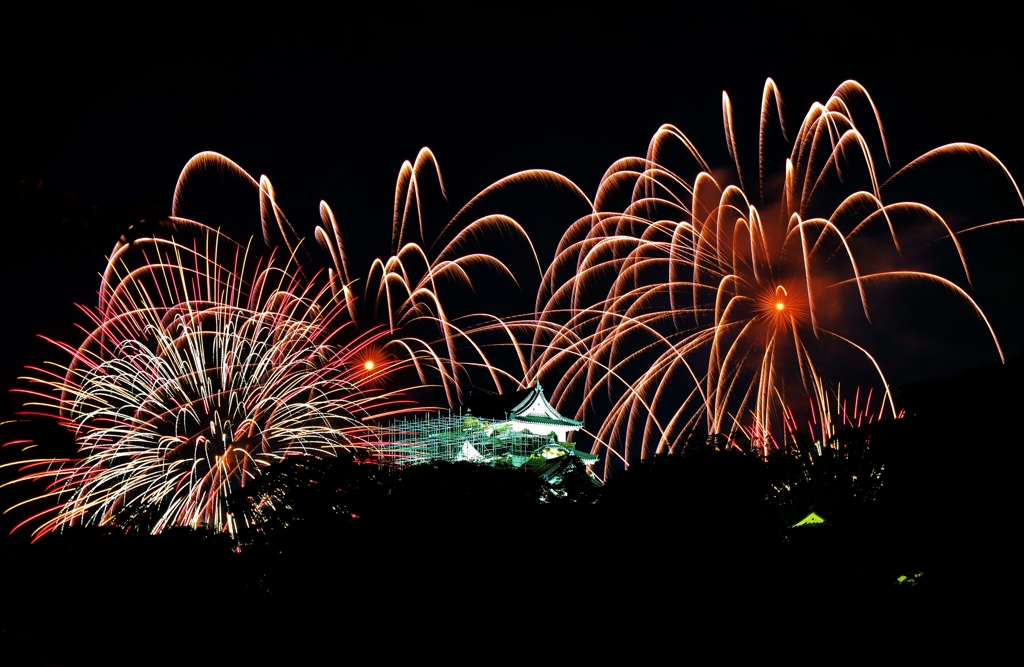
<point x="329" y="107"/>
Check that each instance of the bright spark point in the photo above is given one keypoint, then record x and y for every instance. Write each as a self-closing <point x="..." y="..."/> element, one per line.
<point x="779" y="305"/>
<point x="368" y="365"/>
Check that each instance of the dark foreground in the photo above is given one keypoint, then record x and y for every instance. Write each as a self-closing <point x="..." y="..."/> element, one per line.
<point x="677" y="552"/>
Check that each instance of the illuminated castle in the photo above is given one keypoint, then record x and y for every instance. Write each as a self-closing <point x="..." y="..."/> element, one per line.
<point x="520" y="428"/>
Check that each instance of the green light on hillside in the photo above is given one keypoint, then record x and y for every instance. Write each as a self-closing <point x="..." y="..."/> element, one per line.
<point x="809" y="520"/>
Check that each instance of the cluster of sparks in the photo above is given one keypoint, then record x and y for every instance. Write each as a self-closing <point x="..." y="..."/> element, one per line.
<point x="674" y="305"/>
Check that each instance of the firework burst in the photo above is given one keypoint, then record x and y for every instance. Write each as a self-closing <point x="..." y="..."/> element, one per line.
<point x="679" y="305"/>
<point x="407" y="291"/>
<point x="204" y="364"/>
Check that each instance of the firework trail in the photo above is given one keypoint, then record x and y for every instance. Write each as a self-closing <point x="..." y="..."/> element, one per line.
<point x="204" y="364"/>
<point x="679" y="305"/>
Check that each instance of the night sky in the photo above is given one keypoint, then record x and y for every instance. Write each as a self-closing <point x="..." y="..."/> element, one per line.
<point x="103" y="111"/>
<point x="329" y="107"/>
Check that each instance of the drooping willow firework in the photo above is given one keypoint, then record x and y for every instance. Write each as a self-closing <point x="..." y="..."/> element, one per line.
<point x="406" y="291"/>
<point x="204" y="365"/>
<point x="682" y="305"/>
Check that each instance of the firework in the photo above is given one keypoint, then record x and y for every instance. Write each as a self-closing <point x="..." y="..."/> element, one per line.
<point x="204" y="365"/>
<point x="679" y="305"/>
<point x="406" y="292"/>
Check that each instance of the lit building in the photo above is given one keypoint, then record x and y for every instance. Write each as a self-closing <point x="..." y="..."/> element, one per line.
<point x="519" y="428"/>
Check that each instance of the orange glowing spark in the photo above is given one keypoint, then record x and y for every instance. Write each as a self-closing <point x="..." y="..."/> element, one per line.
<point x="368" y="365"/>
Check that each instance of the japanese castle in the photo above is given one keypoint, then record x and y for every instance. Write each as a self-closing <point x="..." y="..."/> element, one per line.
<point x="518" y="428"/>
